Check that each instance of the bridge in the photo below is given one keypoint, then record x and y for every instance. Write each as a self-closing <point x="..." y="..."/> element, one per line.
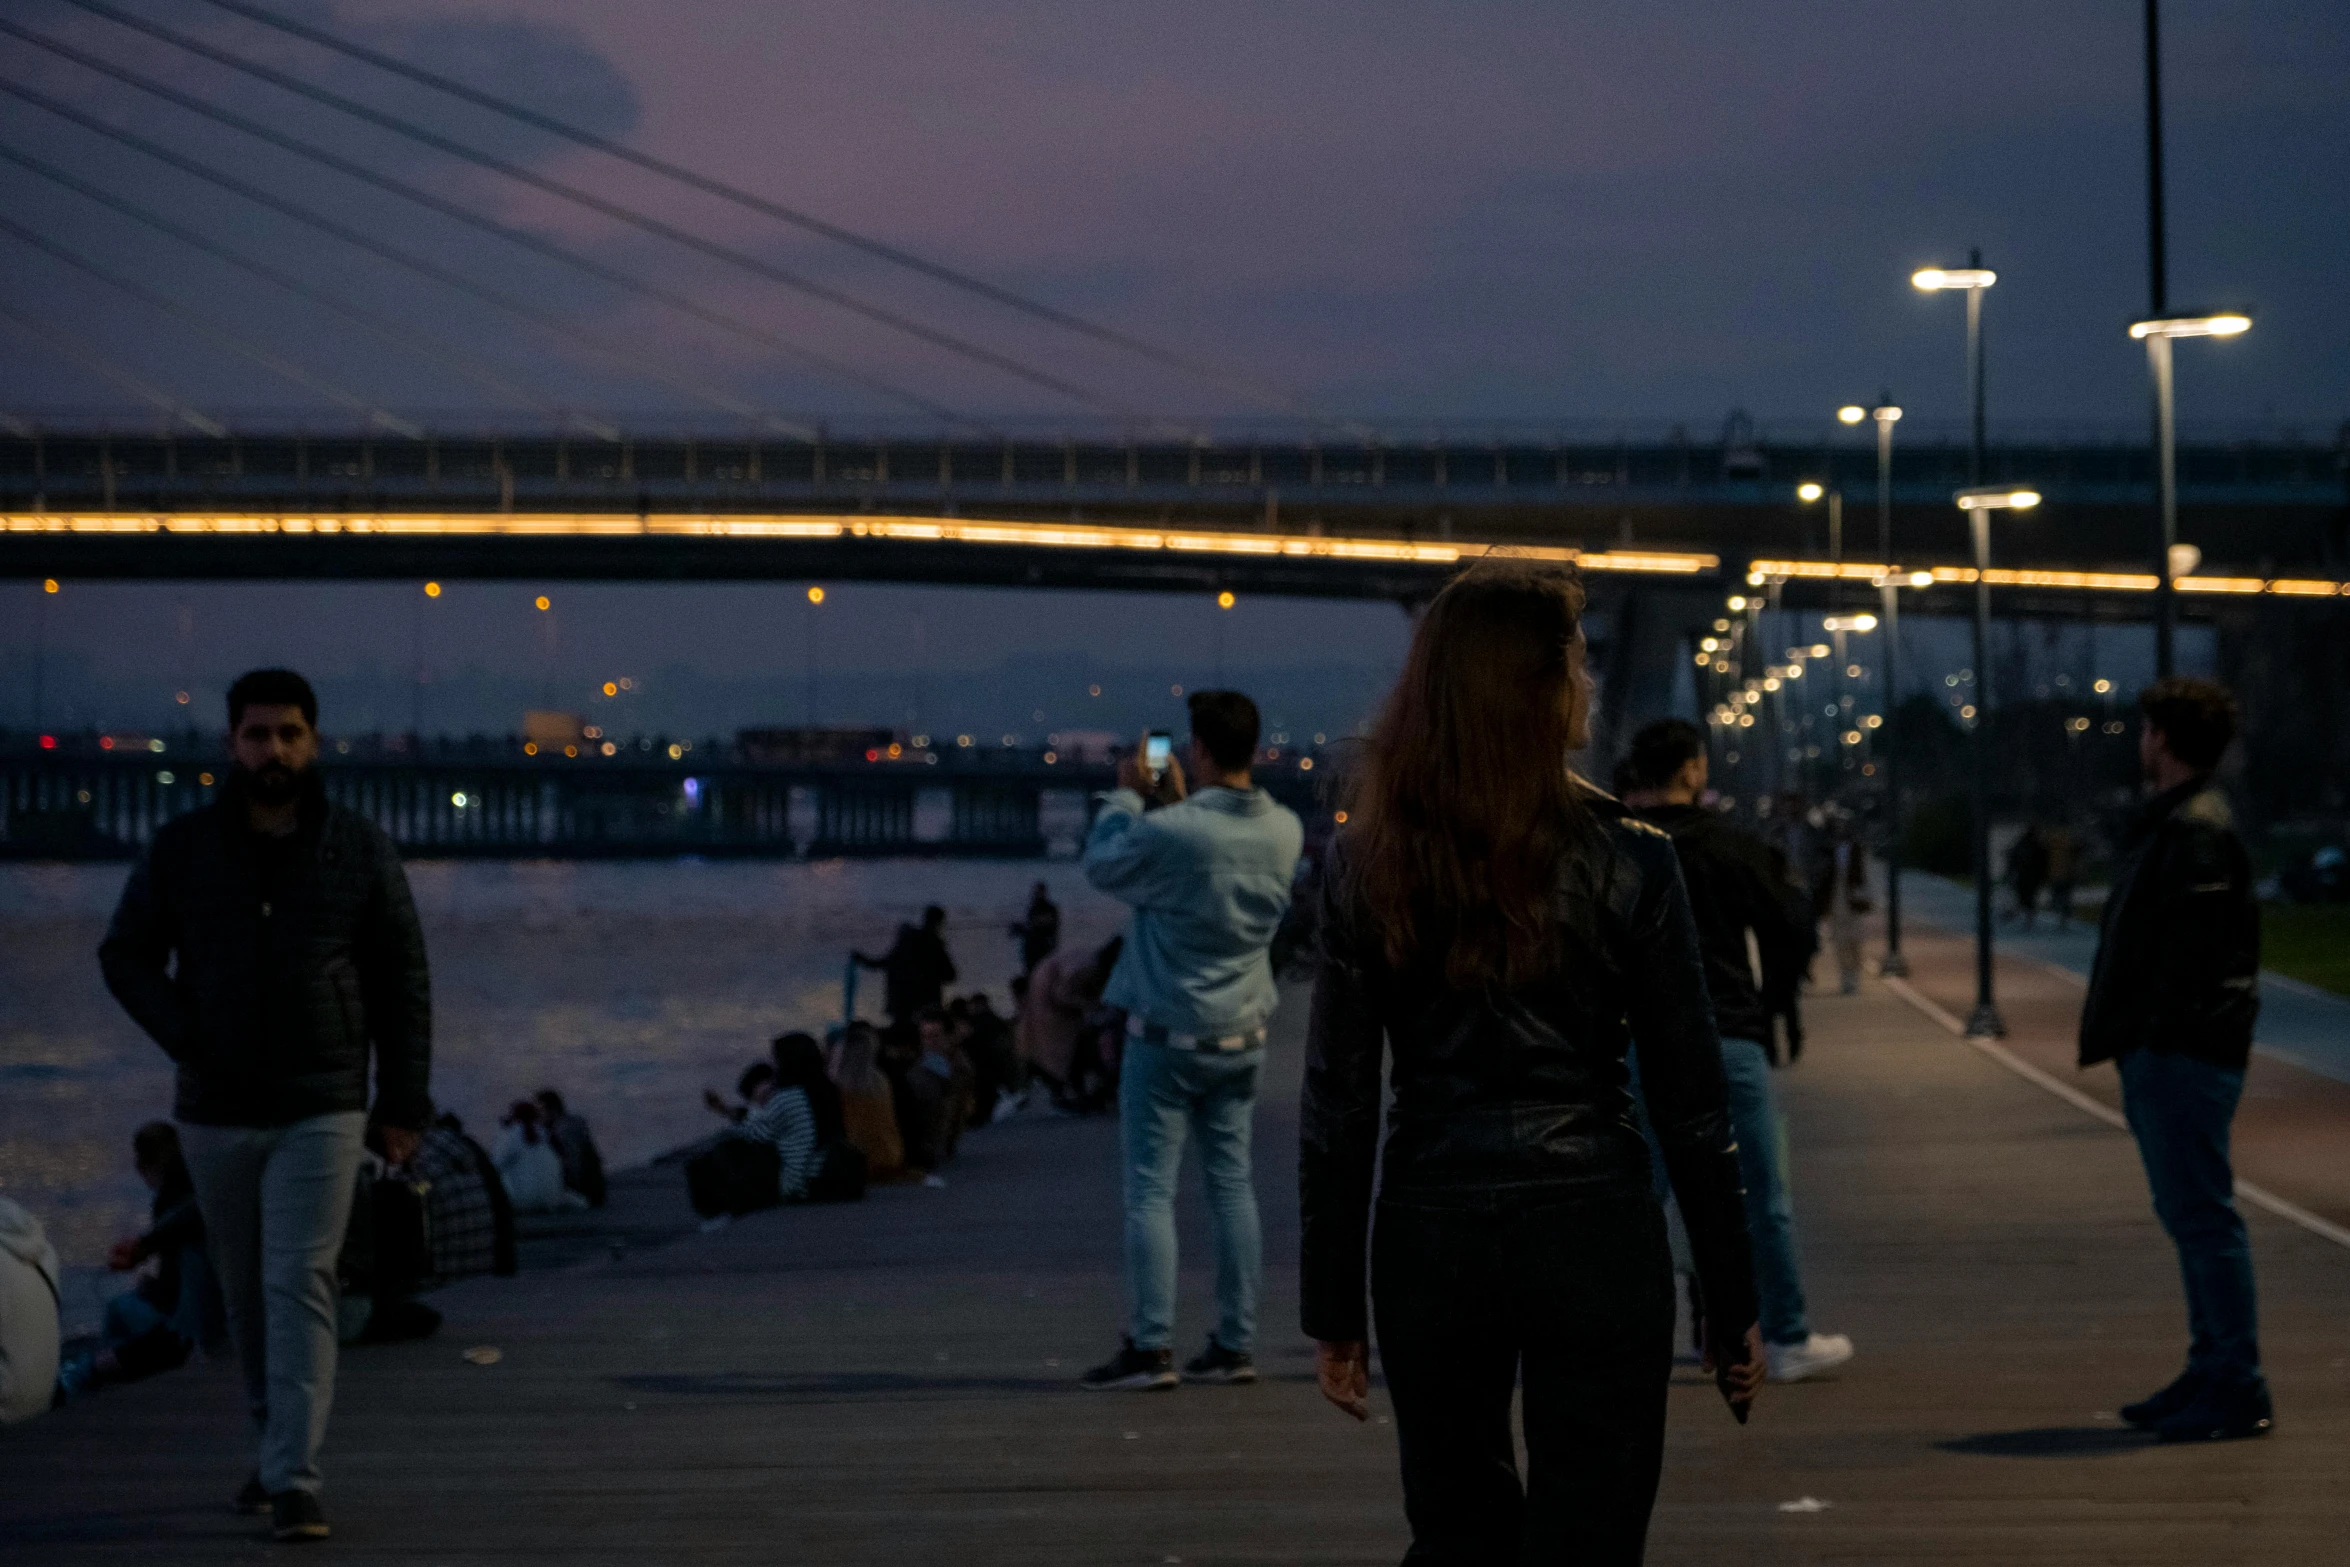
<point x="1351" y="516"/>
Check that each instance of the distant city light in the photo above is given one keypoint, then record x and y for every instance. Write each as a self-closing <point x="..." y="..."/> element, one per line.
<point x="48" y="584"/>
<point x="542" y="602"/>
<point x="531" y="748"/>
<point x="432" y="590"/>
<point x="164" y="778"/>
<point x="611" y="688"/>
<point x="181" y="698"/>
<point x="2103" y="686"/>
<point x="458" y="800"/>
<point x="815" y="595"/>
<point x="1224" y="599"/>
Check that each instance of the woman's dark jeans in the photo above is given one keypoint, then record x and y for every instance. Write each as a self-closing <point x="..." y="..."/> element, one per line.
<point x="1575" y="1299"/>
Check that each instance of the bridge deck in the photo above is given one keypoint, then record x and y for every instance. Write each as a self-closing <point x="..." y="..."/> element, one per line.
<point x="890" y="1382"/>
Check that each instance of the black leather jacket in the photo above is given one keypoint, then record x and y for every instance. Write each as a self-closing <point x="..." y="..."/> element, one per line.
<point x="267" y="970"/>
<point x="2178" y="951"/>
<point x="1524" y="1093"/>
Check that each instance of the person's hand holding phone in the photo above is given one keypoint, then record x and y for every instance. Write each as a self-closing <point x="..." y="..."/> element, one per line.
<point x="1152" y="771"/>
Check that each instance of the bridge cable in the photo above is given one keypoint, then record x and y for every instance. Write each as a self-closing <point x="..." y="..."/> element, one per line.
<point x="441" y="354"/>
<point x="99" y="365"/>
<point x="521" y="238"/>
<point x="1258" y="390"/>
<point x="212" y="328"/>
<point x="617" y="211"/>
<point x="554" y="325"/>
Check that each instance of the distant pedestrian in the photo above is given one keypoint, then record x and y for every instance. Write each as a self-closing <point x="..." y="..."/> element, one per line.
<point x="2064" y="872"/>
<point x="1748" y="908"/>
<point x="916" y="970"/>
<point x="2027" y="872"/>
<point x="1039" y="930"/>
<point x="1840" y="889"/>
<point x="2172" y="999"/>
<point x="268" y="943"/>
<point x="1501" y="931"/>
<point x="1208" y="878"/>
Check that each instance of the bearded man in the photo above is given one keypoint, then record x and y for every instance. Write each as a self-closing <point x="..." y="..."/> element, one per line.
<point x="268" y="943"/>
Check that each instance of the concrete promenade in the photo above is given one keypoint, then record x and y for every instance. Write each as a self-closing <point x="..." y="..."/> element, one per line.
<point x="890" y="1382"/>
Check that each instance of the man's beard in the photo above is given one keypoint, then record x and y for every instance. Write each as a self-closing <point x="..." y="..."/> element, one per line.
<point x="272" y="783"/>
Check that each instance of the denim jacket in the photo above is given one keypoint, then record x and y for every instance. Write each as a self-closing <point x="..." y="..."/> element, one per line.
<point x="1208" y="880"/>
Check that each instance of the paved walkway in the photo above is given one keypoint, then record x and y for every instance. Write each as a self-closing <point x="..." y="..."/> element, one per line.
<point x="890" y="1382"/>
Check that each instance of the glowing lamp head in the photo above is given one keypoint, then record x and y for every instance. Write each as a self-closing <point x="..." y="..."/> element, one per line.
<point x="1809" y="491"/>
<point x="1852" y="413"/>
<point x="432" y="590"/>
<point x="1997" y="497"/>
<point x="541" y="603"/>
<point x="1886" y="414"/>
<point x="815" y="595"/>
<point x="1224" y="600"/>
<point x="2226" y="324"/>
<point x="1935" y="279"/>
<point x="1738" y="603"/>
<point x="1921" y="579"/>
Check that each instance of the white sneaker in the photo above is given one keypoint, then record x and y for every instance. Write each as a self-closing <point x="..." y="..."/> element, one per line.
<point x="1818" y="1353"/>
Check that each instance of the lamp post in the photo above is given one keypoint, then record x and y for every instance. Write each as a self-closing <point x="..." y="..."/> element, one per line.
<point x="1889" y="591"/>
<point x="1971" y="280"/>
<point x="2157" y="336"/>
<point x="1978" y="504"/>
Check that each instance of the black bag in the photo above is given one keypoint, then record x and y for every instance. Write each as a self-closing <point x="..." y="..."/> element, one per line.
<point x="840" y="1174"/>
<point x="734" y="1176"/>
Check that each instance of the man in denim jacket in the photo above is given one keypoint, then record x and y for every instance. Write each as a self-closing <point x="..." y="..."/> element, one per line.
<point x="1208" y="877"/>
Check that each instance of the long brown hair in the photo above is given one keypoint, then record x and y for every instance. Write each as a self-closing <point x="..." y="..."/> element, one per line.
<point x="1462" y="808"/>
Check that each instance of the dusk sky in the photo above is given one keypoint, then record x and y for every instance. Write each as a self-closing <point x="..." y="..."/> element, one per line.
<point x="1501" y="211"/>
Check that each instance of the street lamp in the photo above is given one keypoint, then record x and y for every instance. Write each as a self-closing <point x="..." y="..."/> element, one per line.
<point x="1979" y="504"/>
<point x="1889" y="589"/>
<point x="2158" y="335"/>
<point x="1886" y="416"/>
<point x="1972" y="280"/>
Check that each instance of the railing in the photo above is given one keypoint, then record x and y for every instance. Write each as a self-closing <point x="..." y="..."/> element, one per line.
<point x="95" y="808"/>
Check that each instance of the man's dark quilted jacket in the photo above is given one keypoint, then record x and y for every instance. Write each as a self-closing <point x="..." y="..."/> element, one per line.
<point x="266" y="971"/>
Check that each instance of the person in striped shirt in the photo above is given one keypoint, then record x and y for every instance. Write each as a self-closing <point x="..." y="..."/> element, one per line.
<point x="782" y="1118"/>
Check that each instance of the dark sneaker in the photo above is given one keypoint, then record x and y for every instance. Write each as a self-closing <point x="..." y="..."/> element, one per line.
<point x="2221" y="1414"/>
<point x="251" y="1498"/>
<point x="1132" y="1370"/>
<point x="2151" y="1411"/>
<point x="1218" y="1364"/>
<point x="296" y="1515"/>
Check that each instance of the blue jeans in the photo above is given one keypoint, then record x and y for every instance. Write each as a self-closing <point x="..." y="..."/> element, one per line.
<point x="2179" y="1110"/>
<point x="1161" y="1093"/>
<point x="1762" y="1170"/>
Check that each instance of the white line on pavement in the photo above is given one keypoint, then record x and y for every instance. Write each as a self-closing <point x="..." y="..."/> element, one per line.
<point x="2259" y="1196"/>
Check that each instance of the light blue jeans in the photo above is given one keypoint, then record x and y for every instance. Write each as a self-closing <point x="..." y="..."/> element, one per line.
<point x="276" y="1201"/>
<point x="1162" y="1093"/>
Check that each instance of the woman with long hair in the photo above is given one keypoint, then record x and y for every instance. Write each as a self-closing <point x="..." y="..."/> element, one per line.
<point x="1507" y="932"/>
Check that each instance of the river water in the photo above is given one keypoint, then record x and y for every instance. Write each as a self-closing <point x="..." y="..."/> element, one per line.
<point x="629" y="986"/>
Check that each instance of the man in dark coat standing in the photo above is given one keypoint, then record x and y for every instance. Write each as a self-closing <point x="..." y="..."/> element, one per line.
<point x="268" y="943"/>
<point x="2171" y="1002"/>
